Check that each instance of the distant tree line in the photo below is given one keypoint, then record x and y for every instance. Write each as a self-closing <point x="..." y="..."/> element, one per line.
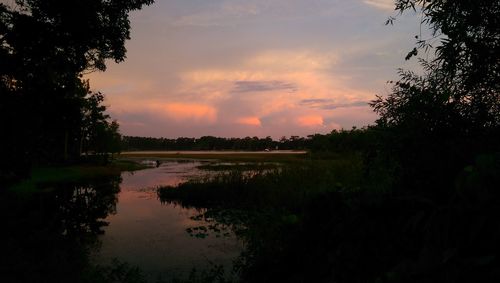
<point x="210" y="143"/>
<point x="335" y="141"/>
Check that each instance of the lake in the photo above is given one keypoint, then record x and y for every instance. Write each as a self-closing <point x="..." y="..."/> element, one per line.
<point x="152" y="235"/>
<point x="74" y="230"/>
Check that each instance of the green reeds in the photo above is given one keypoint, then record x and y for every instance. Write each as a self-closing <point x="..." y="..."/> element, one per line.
<point x="287" y="186"/>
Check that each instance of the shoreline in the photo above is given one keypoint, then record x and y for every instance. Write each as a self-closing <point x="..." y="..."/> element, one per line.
<point x="211" y="152"/>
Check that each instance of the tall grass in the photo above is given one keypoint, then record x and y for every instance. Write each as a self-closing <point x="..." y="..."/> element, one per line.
<point x="266" y="208"/>
<point x="288" y="186"/>
<point x="338" y="221"/>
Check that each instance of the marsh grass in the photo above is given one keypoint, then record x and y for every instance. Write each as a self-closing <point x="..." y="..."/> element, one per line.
<point x="265" y="208"/>
<point x="287" y="186"/>
<point x="332" y="220"/>
<point x="45" y="175"/>
<point x="239" y="166"/>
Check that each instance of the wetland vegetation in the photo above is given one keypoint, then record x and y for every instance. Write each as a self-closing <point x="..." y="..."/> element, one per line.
<point x="412" y="198"/>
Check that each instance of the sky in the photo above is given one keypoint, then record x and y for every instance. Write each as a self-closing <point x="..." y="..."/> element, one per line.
<point x="236" y="68"/>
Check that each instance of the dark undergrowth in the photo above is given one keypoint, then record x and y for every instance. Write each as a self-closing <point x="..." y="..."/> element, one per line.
<point x="40" y="176"/>
<point x="334" y="221"/>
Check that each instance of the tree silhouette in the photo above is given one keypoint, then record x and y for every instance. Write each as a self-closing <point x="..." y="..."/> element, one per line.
<point x="465" y="73"/>
<point x="45" y="48"/>
<point x="444" y="118"/>
<point x="99" y="136"/>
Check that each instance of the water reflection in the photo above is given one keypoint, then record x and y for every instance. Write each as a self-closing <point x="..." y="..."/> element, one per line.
<point x="61" y="233"/>
<point x="152" y="235"/>
<point x="168" y="173"/>
<point x="50" y="233"/>
<point x="82" y="207"/>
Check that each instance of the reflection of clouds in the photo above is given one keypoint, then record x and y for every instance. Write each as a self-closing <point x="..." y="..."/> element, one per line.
<point x="168" y="174"/>
<point x="151" y="234"/>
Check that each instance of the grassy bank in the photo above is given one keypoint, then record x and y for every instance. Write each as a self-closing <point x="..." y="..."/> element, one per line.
<point x="285" y="157"/>
<point x="286" y="186"/>
<point x="61" y="174"/>
<point x="266" y="207"/>
<point x="326" y="220"/>
<point x="239" y="166"/>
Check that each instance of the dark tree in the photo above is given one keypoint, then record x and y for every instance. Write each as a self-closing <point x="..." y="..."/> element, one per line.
<point x="99" y="136"/>
<point x="441" y="120"/>
<point x="465" y="73"/>
<point x="45" y="48"/>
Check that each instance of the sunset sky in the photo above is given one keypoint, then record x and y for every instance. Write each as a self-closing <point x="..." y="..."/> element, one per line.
<point x="236" y="68"/>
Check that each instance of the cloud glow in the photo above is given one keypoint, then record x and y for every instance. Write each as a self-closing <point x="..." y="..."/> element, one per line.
<point x="310" y="121"/>
<point x="250" y="121"/>
<point x="252" y="67"/>
<point x="191" y="112"/>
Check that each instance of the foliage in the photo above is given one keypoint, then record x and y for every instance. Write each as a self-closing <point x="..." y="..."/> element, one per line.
<point x="316" y="221"/>
<point x="45" y="48"/>
<point x="439" y="135"/>
<point x="265" y="208"/>
<point x="81" y="34"/>
<point x="212" y="143"/>
<point x="116" y="272"/>
<point x="245" y="166"/>
<point x="43" y="175"/>
<point x="412" y="199"/>
<point x="216" y="274"/>
<point x="337" y="141"/>
<point x="459" y="90"/>
<point x="438" y="122"/>
<point x="98" y="134"/>
<point x="287" y="186"/>
<point x="468" y="53"/>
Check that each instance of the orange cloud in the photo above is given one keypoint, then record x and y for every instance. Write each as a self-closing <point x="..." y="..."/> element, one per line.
<point x="250" y="121"/>
<point x="310" y="121"/>
<point x="308" y="71"/>
<point x="185" y="111"/>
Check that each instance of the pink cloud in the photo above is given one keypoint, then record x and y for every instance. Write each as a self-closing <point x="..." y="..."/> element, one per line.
<point x="310" y="121"/>
<point x="250" y="121"/>
<point x="186" y="111"/>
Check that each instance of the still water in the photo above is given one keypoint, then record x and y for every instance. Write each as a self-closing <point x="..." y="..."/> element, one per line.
<point x="152" y="235"/>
